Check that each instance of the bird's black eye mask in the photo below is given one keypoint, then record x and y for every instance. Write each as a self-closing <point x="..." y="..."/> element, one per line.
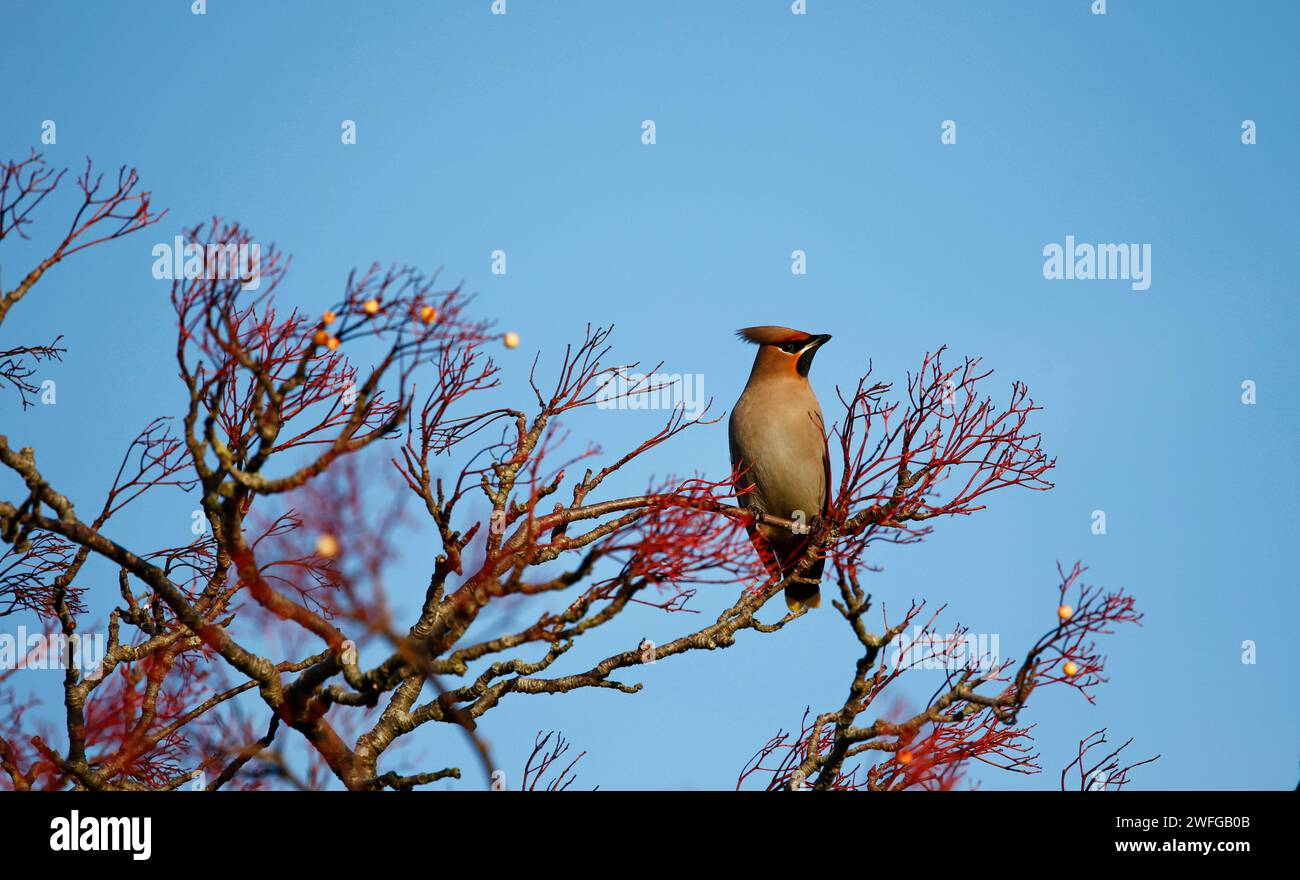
<point x="809" y="348"/>
<point x="805" y="362"/>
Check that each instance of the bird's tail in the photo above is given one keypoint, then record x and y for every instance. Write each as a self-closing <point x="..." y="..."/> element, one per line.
<point x="801" y="592"/>
<point x="805" y="591"/>
<point x="800" y="595"/>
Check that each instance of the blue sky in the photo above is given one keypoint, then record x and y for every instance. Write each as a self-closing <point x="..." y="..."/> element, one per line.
<point x="775" y="132"/>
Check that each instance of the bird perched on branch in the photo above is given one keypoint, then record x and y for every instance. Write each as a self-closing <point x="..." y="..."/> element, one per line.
<point x="778" y="451"/>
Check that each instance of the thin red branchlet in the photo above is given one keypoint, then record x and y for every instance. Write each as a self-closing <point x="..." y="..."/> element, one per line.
<point x="541" y="760"/>
<point x="1096" y="768"/>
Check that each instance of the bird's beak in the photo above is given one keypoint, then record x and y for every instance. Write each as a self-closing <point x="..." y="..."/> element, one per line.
<point x="806" y="357"/>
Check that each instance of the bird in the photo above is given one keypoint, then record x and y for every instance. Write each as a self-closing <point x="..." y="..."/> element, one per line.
<point x="779" y="455"/>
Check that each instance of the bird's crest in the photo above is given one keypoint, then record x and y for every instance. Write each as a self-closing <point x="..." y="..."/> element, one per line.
<point x="771" y="335"/>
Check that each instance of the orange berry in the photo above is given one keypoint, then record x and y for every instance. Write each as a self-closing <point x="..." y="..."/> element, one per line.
<point x="905" y="756"/>
<point x="320" y="337"/>
<point x="327" y="546"/>
<point x="428" y="314"/>
<point x="328" y="318"/>
<point x="371" y="306"/>
<point x="1065" y="612"/>
<point x="1071" y="668"/>
<point x="511" y="339"/>
<point x="333" y="343"/>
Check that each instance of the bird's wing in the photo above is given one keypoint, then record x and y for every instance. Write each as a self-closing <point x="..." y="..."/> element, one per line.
<point x="826" y="463"/>
<point x="745" y="480"/>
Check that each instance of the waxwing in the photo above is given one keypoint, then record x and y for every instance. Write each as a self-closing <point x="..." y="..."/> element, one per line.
<point x="778" y="451"/>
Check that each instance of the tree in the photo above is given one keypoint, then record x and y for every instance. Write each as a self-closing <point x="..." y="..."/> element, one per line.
<point x="285" y="584"/>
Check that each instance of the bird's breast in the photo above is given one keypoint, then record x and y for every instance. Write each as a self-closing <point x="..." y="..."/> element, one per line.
<point x="779" y="438"/>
